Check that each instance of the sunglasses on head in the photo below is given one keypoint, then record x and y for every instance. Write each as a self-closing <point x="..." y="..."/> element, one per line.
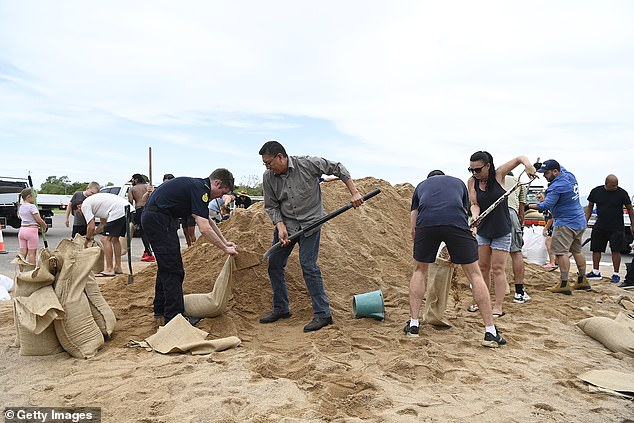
<point x="476" y="169"/>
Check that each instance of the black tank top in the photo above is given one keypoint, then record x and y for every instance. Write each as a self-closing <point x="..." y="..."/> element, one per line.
<point x="498" y="222"/>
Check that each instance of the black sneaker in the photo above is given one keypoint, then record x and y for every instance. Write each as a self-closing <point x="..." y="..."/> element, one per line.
<point x="493" y="341"/>
<point x="410" y="330"/>
<point x="626" y="284"/>
<point x="193" y="320"/>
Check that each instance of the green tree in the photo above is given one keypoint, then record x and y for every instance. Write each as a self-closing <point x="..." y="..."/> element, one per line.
<point x="55" y="185"/>
<point x="250" y="184"/>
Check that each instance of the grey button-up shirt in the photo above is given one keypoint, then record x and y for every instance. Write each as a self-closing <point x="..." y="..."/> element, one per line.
<point x="295" y="197"/>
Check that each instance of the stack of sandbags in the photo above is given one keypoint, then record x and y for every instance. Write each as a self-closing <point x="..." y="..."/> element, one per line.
<point x="62" y="290"/>
<point x="35" y="308"/>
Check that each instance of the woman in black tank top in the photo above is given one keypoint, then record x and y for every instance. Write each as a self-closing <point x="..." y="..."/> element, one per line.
<point x="494" y="232"/>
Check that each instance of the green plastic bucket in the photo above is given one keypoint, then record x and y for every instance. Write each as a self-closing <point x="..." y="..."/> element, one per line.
<point x="369" y="304"/>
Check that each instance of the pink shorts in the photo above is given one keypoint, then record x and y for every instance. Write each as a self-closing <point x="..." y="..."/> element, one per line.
<point x="29" y="237"/>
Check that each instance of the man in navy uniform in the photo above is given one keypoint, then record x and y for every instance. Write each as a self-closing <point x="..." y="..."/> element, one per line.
<point x="180" y="198"/>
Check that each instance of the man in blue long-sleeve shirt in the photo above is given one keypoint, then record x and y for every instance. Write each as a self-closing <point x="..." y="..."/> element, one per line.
<point x="562" y="199"/>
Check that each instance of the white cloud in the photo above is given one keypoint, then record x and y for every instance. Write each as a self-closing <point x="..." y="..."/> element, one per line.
<point x="416" y="85"/>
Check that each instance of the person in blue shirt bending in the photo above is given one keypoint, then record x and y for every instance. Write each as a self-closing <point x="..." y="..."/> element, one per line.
<point x="562" y="199"/>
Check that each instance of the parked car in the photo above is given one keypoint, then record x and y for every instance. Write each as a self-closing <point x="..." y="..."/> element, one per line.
<point x="533" y="217"/>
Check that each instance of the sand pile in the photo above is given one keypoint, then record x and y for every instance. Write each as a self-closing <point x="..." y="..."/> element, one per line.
<point x="357" y="369"/>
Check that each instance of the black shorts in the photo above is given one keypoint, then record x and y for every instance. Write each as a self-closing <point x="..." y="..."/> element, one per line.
<point x="79" y="229"/>
<point x="461" y="244"/>
<point x="136" y="216"/>
<point x="115" y="228"/>
<point x="599" y="240"/>
<point x="188" y="222"/>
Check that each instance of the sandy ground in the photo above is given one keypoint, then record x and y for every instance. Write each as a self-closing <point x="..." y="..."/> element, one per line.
<point x="355" y="370"/>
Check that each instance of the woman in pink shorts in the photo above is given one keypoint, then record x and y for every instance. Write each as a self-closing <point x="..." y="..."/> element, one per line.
<point x="31" y="224"/>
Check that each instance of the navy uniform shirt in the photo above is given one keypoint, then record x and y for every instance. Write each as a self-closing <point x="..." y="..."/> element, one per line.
<point x="182" y="197"/>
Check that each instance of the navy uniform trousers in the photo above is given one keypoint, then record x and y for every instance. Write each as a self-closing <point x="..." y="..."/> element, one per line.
<point x="161" y="231"/>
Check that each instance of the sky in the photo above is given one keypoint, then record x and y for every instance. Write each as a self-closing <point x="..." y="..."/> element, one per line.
<point x="392" y="90"/>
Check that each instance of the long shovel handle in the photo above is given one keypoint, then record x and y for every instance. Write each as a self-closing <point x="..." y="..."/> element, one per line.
<point x="499" y="201"/>
<point x="319" y="222"/>
<point x="128" y="239"/>
<point x="35" y="201"/>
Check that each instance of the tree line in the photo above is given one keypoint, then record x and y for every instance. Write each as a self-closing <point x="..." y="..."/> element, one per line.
<point x="251" y="185"/>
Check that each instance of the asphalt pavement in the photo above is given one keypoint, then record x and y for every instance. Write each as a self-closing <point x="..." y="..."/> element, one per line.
<point x="54" y="235"/>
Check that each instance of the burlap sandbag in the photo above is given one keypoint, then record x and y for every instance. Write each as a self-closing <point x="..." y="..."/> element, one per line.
<point x="26" y="283"/>
<point x="77" y="331"/>
<point x="79" y="241"/>
<point x="180" y="336"/>
<point x="99" y="307"/>
<point x="43" y="343"/>
<point x="37" y="311"/>
<point x="214" y="303"/>
<point x="626" y="318"/>
<point x="438" y="286"/>
<point x="615" y="336"/>
<point x="24" y="265"/>
<point x="44" y="273"/>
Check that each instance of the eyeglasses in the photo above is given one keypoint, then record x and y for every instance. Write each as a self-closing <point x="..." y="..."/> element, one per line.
<point x="476" y="169"/>
<point x="267" y="163"/>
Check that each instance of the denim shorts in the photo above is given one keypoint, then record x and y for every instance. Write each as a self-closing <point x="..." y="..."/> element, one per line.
<point x="500" y="243"/>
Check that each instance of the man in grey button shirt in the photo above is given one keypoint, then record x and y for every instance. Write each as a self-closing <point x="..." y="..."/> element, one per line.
<point x="292" y="198"/>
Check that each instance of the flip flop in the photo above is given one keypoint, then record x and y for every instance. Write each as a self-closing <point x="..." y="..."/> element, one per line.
<point x="499" y="314"/>
<point x="118" y="273"/>
<point x="473" y="308"/>
<point x="104" y="275"/>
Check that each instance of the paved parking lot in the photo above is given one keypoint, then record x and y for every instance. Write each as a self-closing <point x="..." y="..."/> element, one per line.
<point x="54" y="235"/>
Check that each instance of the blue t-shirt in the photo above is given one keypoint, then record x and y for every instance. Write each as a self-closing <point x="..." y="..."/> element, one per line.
<point x="182" y="197"/>
<point x="441" y="201"/>
<point x="562" y="199"/>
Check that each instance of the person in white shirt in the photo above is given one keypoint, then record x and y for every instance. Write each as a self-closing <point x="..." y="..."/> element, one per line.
<point x="110" y="209"/>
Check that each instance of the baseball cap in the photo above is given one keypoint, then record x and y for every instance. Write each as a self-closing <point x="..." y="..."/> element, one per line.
<point x="549" y="165"/>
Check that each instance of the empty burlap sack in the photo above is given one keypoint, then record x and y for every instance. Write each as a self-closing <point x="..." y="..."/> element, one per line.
<point x="438" y="286"/>
<point x="178" y="335"/>
<point x="214" y="303"/>
<point x="99" y="307"/>
<point x="615" y="336"/>
<point x="619" y="382"/>
<point x="77" y="331"/>
<point x="26" y="283"/>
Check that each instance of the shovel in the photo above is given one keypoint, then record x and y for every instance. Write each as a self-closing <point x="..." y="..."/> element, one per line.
<point x="128" y="240"/>
<point x="500" y="200"/>
<point x="321" y="221"/>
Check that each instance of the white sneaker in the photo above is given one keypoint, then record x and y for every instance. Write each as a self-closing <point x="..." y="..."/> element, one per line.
<point x="521" y="298"/>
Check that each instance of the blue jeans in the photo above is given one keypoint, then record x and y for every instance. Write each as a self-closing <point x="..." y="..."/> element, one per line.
<point x="308" y="253"/>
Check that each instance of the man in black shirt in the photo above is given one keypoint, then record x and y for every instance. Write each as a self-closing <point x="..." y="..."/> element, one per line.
<point x="610" y="200"/>
<point x="180" y="198"/>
